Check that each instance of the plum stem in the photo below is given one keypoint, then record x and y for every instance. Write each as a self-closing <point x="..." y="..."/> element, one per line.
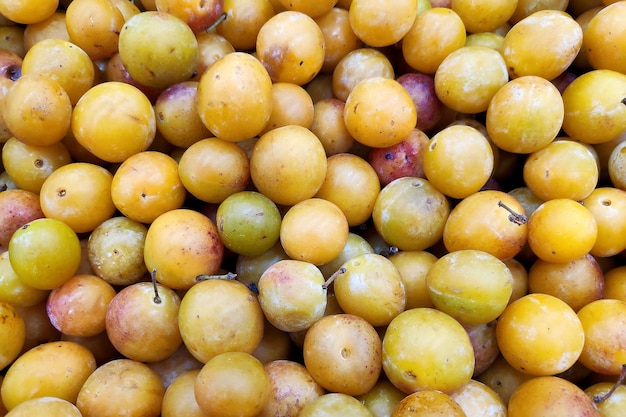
<point x="518" y="219"/>
<point x="330" y="280"/>
<point x="157" y="297"/>
<point x="622" y="376"/>
<point x="227" y="276"/>
<point x="217" y="22"/>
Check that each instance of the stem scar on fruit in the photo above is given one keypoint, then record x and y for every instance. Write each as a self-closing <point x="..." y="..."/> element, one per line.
<point x="518" y="219"/>
<point x="622" y="376"/>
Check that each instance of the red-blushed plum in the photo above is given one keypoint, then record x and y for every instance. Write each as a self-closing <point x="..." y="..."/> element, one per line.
<point x="17" y="207"/>
<point x="403" y="159"/>
<point x="199" y="15"/>
<point x="421" y="88"/>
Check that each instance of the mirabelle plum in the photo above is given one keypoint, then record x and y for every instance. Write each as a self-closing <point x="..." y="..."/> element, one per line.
<point x="481" y="222"/>
<point x="458" y="161"/>
<point x="291" y="105"/>
<point x="13" y="331"/>
<point x="472" y="286"/>
<point x="615" y="283"/>
<point x="594" y="110"/>
<point x="235" y="97"/>
<point x="434" y="35"/>
<point x="484" y="16"/>
<point x="182" y="244"/>
<point x="428" y="403"/>
<point x="525" y="115"/>
<point x="606" y="204"/>
<point x="243" y="21"/>
<point x="28" y="11"/>
<point x="356" y="66"/>
<point x="561" y="230"/>
<point x="458" y="84"/>
<point x="339" y="37"/>
<point x="114" y="120"/>
<point x="543" y="44"/>
<point x="352" y="184"/>
<point x="425" y="349"/>
<point x="377" y="24"/>
<point x="37" y="110"/>
<point x="548" y="172"/>
<point x="410" y="213"/>
<point x="605" y="38"/>
<point x="374" y="125"/>
<point x="288" y="164"/>
<point x="79" y="194"/>
<point x="605" y="340"/>
<point x="550" y="396"/>
<point x="45" y="253"/>
<point x="552" y="346"/>
<point x="290" y="45"/>
<point x="94" y="26"/>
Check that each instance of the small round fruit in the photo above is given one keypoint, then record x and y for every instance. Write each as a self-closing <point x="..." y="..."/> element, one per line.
<point x="171" y="59"/>
<point x="78" y="307"/>
<point x="343" y="354"/>
<point x="291" y="47"/>
<point x="113" y="121"/>
<point x="472" y="286"/>
<point x="377" y="24"/>
<point x="352" y="184"/>
<point x="248" y="223"/>
<point x="543" y="44"/>
<point x="78" y="194"/>
<point x="561" y="230"/>
<point x="55" y="369"/>
<point x="614" y="404"/>
<point x="235" y="97"/>
<point x="413" y="267"/>
<point x="480" y="221"/>
<point x="180" y="245"/>
<point x="410" y="213"/>
<point x="288" y="164"/>
<point x="370" y="286"/>
<point x="548" y="172"/>
<point x="604" y="46"/>
<point x="356" y="66"/>
<point x="292" y="295"/>
<point x="435" y="34"/>
<point x="37" y="110"/>
<point x="605" y="340"/>
<point x="550" y="396"/>
<point x="376" y="126"/>
<point x="29" y="166"/>
<point x="334" y="404"/>
<point x="213" y="169"/>
<point x="218" y="316"/>
<point x="458" y="161"/>
<point x="115" y="250"/>
<point x="594" y="106"/>
<point x="121" y="386"/>
<point x="94" y="26"/>
<point x="428" y="403"/>
<point x="45" y="406"/>
<point x="28" y="12"/>
<point x="314" y="230"/>
<point x="142" y="322"/>
<point x="457" y="85"/>
<point x="243" y="21"/>
<point x="292" y="387"/>
<point x="45" y="253"/>
<point x="525" y="115"/>
<point x="425" y="349"/>
<point x="147" y="185"/>
<point x="485" y="15"/>
<point x="552" y="346"/>
<point x="13" y="331"/>
<point x="606" y="204"/>
<point x="232" y="384"/>
<point x="12" y="288"/>
<point x="17" y="207"/>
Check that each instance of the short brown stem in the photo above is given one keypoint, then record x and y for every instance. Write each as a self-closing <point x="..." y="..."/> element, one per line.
<point x="217" y="22"/>
<point x="157" y="297"/>
<point x="330" y="280"/>
<point x="514" y="217"/>
<point x="622" y="376"/>
<point x="227" y="276"/>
